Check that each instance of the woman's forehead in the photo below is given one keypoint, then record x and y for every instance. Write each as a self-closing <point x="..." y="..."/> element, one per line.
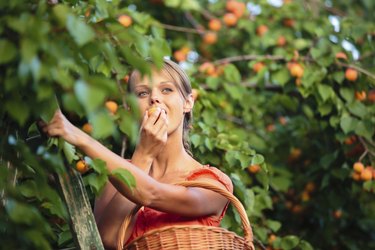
<point x="156" y="76"/>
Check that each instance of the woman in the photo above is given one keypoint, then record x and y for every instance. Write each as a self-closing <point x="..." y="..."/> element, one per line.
<point x="161" y="158"/>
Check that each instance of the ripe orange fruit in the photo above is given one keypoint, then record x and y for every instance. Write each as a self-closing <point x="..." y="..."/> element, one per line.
<point x="356" y="176"/>
<point x="366" y="174"/>
<point x="126" y="78"/>
<point x="350" y="140"/>
<point x="87" y="128"/>
<point x="254" y="169"/>
<point x="295" y="153"/>
<point x="125" y="20"/>
<point x="195" y="94"/>
<point x="297" y="209"/>
<point x="207" y="68"/>
<point x="81" y="166"/>
<point x="271" y="238"/>
<point x="310" y="187"/>
<point x="230" y="19"/>
<point x="281" y="41"/>
<point x="337" y="214"/>
<point x="210" y="38"/>
<point x="179" y="55"/>
<point x="270" y="127"/>
<point x="360" y="95"/>
<point x="231" y="5"/>
<point x="111" y="106"/>
<point x="261" y="30"/>
<point x="214" y="24"/>
<point x="358" y="167"/>
<point x="258" y="66"/>
<point x="283" y="121"/>
<point x="351" y="74"/>
<point x="296" y="70"/>
<point x="288" y="22"/>
<point x="152" y="110"/>
<point x="341" y="55"/>
<point x="371" y="96"/>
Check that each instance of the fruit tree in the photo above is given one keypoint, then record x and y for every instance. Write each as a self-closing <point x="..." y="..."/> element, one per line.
<point x="285" y="105"/>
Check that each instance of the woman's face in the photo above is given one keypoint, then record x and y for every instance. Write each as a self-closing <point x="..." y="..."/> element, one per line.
<point x="160" y="90"/>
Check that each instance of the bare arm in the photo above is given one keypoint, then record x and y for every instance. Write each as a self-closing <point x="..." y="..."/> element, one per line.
<point x="148" y="191"/>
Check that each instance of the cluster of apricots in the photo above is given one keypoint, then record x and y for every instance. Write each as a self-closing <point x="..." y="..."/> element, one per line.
<point x="362" y="173"/>
<point x="210" y="69"/>
<point x="181" y="54"/>
<point x="296" y="70"/>
<point x="235" y="10"/>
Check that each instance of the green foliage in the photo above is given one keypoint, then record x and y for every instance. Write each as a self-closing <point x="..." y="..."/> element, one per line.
<point x="305" y="132"/>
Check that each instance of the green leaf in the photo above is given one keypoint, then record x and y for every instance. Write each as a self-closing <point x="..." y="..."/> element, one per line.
<point x="7" y="51"/>
<point x="232" y="74"/>
<point x="257" y="159"/>
<point x="17" y="109"/>
<point x="80" y="31"/>
<point x="366" y="129"/>
<point x="347" y="94"/>
<point x="69" y="151"/>
<point x="325" y="91"/>
<point x="348" y="123"/>
<point x="289" y="242"/>
<point x="304" y="245"/>
<point x="358" y="108"/>
<point x="273" y="225"/>
<point x="196" y="140"/>
<point x="125" y="176"/>
<point x="91" y="97"/>
<point x="96" y="181"/>
<point x="102" y="124"/>
<point x="281" y="77"/>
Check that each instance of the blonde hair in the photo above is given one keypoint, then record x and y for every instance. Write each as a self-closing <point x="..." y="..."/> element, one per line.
<point x="182" y="81"/>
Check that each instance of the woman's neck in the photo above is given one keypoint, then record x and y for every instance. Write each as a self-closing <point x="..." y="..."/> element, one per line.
<point x="172" y="158"/>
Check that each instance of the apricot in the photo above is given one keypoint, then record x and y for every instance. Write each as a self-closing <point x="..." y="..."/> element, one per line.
<point x="296" y="70"/>
<point x="366" y="174"/>
<point x="230" y="19"/>
<point x="341" y="55"/>
<point x="281" y="41"/>
<point x="360" y="95"/>
<point x="254" y="169"/>
<point x="214" y="24"/>
<point x="351" y="74"/>
<point x="258" y="66"/>
<point x="210" y="38"/>
<point x="125" y="20"/>
<point x="81" y="166"/>
<point x="261" y="30"/>
<point x="87" y="128"/>
<point x="111" y="106"/>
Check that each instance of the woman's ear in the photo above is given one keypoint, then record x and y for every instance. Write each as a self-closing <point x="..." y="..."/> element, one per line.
<point x="189" y="103"/>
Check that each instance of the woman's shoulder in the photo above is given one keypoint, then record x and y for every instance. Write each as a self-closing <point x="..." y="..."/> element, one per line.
<point x="207" y="171"/>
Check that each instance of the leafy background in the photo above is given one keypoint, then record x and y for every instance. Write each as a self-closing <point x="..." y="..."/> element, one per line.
<point x="304" y="133"/>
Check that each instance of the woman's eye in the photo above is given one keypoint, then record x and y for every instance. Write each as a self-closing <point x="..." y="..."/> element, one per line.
<point x="167" y="90"/>
<point x="142" y="94"/>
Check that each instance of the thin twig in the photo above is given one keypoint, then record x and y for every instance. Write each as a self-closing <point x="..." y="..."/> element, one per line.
<point x="247" y="58"/>
<point x="194" y="22"/>
<point x="208" y="15"/>
<point x="260" y="244"/>
<point x="178" y="28"/>
<point x="363" y="155"/>
<point x="357" y="68"/>
<point x="123" y="146"/>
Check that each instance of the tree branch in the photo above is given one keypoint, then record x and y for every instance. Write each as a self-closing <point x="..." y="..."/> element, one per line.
<point x="247" y="58"/>
<point x="368" y="73"/>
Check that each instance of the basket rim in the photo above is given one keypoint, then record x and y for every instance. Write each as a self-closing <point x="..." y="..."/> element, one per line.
<point x="181" y="227"/>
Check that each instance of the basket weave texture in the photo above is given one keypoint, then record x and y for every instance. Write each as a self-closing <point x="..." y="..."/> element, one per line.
<point x="193" y="237"/>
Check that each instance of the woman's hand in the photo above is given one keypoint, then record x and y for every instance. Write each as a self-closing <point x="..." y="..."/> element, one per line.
<point x="59" y="126"/>
<point x="153" y="134"/>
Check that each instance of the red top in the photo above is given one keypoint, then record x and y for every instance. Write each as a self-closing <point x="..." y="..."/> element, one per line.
<point x="149" y="219"/>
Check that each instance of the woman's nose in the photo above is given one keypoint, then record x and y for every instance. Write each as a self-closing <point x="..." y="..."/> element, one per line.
<point x="154" y="98"/>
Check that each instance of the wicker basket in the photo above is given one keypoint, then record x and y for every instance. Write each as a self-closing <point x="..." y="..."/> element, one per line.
<point x="193" y="237"/>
